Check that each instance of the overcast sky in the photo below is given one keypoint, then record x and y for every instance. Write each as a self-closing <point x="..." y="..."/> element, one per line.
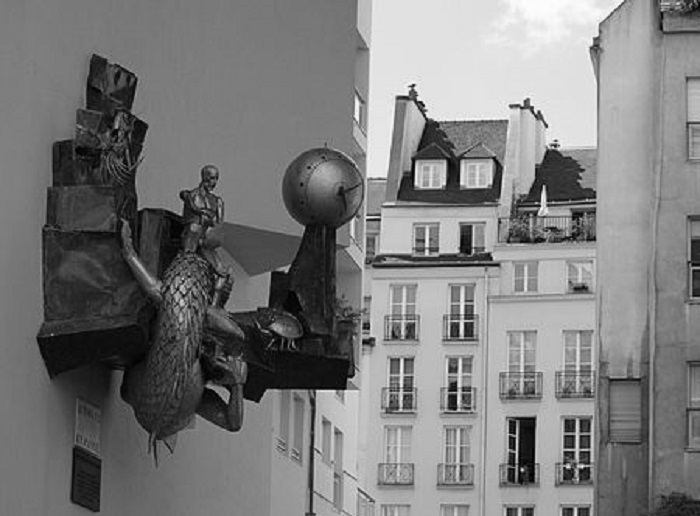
<point x="471" y="58"/>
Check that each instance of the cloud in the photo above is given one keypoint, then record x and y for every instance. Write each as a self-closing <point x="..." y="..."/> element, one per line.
<point x="534" y="24"/>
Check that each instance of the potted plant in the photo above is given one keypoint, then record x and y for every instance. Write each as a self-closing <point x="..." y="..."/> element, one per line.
<point x="519" y="230"/>
<point x="347" y="323"/>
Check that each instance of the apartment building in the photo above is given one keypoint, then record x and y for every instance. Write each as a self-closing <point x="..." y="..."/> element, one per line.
<point x="482" y="334"/>
<point x="227" y="83"/>
<point x="646" y="59"/>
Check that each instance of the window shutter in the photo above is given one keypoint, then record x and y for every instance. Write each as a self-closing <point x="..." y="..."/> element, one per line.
<point x="694" y="100"/>
<point x="625" y="411"/>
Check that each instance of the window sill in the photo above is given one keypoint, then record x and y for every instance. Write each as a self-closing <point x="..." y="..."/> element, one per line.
<point x="688" y="449"/>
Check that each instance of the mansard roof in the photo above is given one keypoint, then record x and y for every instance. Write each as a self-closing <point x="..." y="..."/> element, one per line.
<point x="570" y="175"/>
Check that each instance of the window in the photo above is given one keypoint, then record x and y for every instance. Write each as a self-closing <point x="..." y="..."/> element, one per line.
<point x="366" y="310"/>
<point x="397" y="444"/>
<point x="475" y="174"/>
<point x="577" y="378"/>
<point x="454" y="510"/>
<point x="401" y="394"/>
<point x="430" y="174"/>
<point x="576" y="451"/>
<point x="365" y="504"/>
<point x="460" y="322"/>
<point x="402" y="321"/>
<point x="580" y="276"/>
<point x="298" y="444"/>
<point x="521" y="378"/>
<point x="338" y="469"/>
<point x="396" y="510"/>
<point x="397" y="468"/>
<point x="576" y="510"/>
<point x="525" y="277"/>
<point x="283" y="439"/>
<point x="471" y="238"/>
<point x="359" y="111"/>
<point x="326" y="441"/>
<point x="519" y="511"/>
<point x="694" y="405"/>
<point x="693" y="94"/>
<point x="426" y="239"/>
<point x="458" y="395"/>
<point x="694" y="259"/>
<point x="371" y="246"/>
<point x="456" y="467"/>
<point x="625" y="408"/>
<point x="520" y="467"/>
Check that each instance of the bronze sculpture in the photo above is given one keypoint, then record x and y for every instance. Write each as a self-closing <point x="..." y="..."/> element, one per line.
<point x="155" y="308"/>
<point x="202" y="211"/>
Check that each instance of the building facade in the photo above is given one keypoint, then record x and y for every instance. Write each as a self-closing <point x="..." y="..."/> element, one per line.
<point x="232" y="84"/>
<point x="646" y="56"/>
<point x="482" y="316"/>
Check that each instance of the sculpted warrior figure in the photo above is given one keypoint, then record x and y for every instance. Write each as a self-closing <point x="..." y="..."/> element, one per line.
<point x="202" y="211"/>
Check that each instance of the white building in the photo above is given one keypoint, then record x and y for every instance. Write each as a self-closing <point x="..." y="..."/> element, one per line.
<point x="475" y="397"/>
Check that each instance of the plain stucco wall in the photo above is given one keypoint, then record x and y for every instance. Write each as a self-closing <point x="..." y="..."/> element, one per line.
<point x="628" y="96"/>
<point x="244" y="85"/>
<point x="676" y="320"/>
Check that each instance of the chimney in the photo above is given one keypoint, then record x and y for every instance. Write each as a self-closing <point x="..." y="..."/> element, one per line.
<point x="409" y="122"/>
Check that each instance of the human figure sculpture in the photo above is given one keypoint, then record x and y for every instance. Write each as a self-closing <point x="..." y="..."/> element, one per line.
<point x="202" y="211"/>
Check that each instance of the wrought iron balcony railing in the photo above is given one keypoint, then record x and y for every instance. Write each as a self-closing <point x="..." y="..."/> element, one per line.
<point x="574" y="473"/>
<point x="519" y="474"/>
<point x="673" y="5"/>
<point x="521" y="385"/>
<point x="458" y="399"/>
<point x="532" y="229"/>
<point x="401" y="327"/>
<point x="575" y="384"/>
<point x="455" y="474"/>
<point x="399" y="400"/>
<point x="396" y="474"/>
<point x="426" y="251"/>
<point x="460" y="327"/>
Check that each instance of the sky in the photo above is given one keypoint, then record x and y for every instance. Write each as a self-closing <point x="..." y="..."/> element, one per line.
<point x="470" y="59"/>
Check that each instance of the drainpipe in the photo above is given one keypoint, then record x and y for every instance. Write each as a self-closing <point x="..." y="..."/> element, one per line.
<point x="485" y="382"/>
<point x="312" y="457"/>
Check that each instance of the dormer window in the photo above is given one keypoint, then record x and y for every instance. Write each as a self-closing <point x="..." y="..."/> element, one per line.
<point x="430" y="174"/>
<point x="476" y="173"/>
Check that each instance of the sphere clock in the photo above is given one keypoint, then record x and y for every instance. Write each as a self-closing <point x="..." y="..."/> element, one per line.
<point x="323" y="187"/>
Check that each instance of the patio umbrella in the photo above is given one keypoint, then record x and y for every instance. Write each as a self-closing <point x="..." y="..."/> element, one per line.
<point x="544" y="210"/>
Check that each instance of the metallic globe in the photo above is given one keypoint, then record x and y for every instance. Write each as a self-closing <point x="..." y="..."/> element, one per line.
<point x="324" y="187"/>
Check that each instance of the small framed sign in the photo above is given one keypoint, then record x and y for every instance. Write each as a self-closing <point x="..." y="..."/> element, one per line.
<point x="86" y="477"/>
<point x="88" y="419"/>
<point x="86" y="480"/>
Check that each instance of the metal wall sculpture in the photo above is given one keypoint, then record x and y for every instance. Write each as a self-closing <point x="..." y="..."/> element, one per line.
<point x="147" y="292"/>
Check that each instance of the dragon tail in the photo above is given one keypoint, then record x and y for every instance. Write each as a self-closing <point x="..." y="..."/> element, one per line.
<point x="170" y="442"/>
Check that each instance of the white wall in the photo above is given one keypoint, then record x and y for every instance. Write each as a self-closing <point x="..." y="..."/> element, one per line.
<point x="244" y="85"/>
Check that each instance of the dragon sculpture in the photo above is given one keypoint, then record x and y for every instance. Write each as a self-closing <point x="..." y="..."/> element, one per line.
<point x="194" y="343"/>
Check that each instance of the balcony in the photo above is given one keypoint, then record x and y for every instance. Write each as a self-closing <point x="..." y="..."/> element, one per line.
<point x="395" y="474"/>
<point x="455" y="475"/>
<point x="401" y="327"/>
<point x="575" y="384"/>
<point x="574" y="474"/>
<point x="519" y="475"/>
<point x="426" y="251"/>
<point x="459" y="328"/>
<point x="458" y="400"/>
<point x="521" y="385"/>
<point x="396" y="400"/>
<point x="531" y="229"/>
<point x="672" y="5"/>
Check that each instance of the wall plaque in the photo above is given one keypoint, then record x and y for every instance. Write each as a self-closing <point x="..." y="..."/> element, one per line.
<point x="86" y="481"/>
